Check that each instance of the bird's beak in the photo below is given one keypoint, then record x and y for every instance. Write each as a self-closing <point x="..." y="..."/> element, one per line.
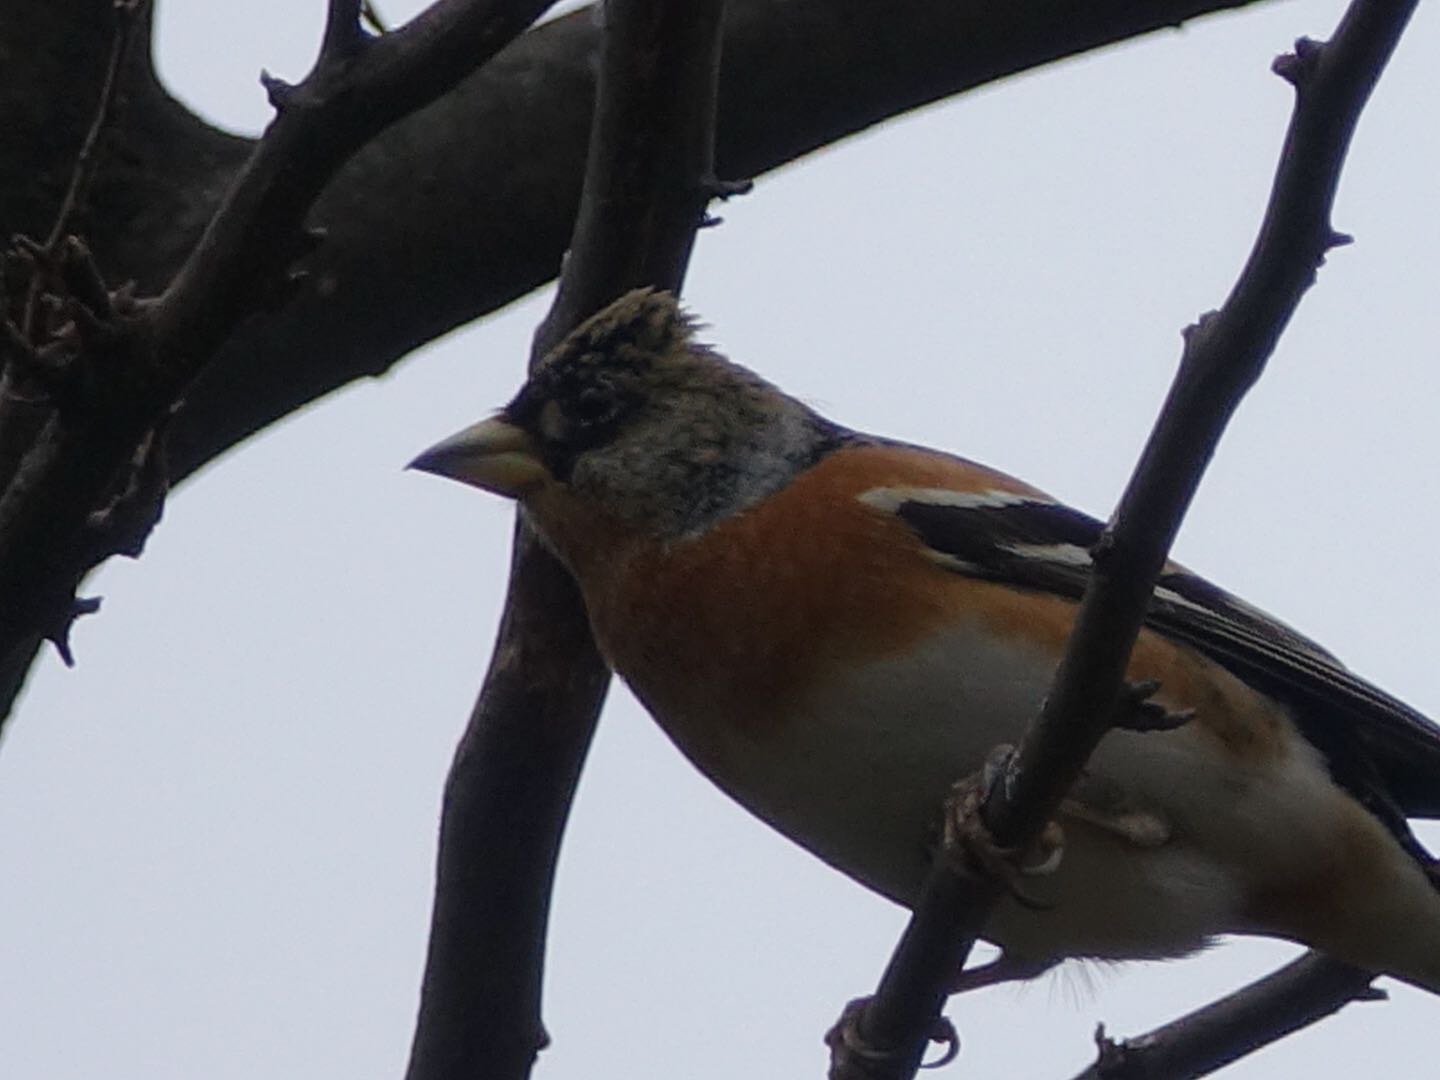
<point x="493" y="454"/>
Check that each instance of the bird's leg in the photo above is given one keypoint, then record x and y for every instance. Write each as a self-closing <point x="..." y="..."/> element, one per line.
<point x="1004" y="968"/>
<point x="1145" y="830"/>
<point x="968" y="843"/>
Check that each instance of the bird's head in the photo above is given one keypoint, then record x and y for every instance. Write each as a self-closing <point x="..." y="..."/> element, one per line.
<point x="631" y="419"/>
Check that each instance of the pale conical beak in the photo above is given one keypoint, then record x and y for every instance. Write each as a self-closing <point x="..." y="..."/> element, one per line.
<point x="493" y="454"/>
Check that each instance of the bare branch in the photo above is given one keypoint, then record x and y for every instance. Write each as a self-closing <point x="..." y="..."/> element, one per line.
<point x="1224" y="355"/>
<point x="21" y="363"/>
<point x="344" y="35"/>
<point x="798" y="75"/>
<point x="69" y="440"/>
<point x="349" y="96"/>
<point x="646" y="187"/>
<point x="127" y="14"/>
<point x="1299" y="994"/>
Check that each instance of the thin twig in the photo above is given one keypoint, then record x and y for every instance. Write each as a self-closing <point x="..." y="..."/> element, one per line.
<point x="371" y="15"/>
<point x="127" y="15"/>
<point x="1224" y="354"/>
<point x="1299" y="994"/>
<point x="775" y="112"/>
<point x="772" y="113"/>
<point x="343" y="30"/>
<point x="149" y="352"/>
<point x="349" y="97"/>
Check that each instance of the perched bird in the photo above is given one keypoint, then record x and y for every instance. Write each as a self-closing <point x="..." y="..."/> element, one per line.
<point x="835" y="627"/>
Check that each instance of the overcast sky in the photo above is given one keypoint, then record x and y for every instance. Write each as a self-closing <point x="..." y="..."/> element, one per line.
<point x="217" y="832"/>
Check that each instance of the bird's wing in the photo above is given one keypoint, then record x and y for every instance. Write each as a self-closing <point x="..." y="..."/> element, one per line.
<point x="1384" y="752"/>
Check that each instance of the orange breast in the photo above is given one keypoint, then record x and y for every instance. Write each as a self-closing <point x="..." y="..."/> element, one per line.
<point x="737" y="624"/>
<point x="743" y="617"/>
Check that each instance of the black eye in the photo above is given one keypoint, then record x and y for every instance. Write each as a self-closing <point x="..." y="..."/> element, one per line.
<point x="593" y="408"/>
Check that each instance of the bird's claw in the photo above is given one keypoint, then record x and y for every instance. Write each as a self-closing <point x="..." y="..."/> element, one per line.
<point x="846" y="1038"/>
<point x="1139" y="711"/>
<point x="967" y="840"/>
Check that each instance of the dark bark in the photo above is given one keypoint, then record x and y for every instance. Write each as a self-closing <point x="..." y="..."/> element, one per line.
<point x="506" y="801"/>
<point x="449" y="215"/>
<point x="90" y="378"/>
<point x="649" y="176"/>
<point x="1301" y="993"/>
<point x="468" y="204"/>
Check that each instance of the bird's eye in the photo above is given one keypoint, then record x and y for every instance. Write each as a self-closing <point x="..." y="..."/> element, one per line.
<point x="593" y="407"/>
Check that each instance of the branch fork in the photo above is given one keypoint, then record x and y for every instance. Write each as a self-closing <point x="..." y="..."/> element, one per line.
<point x="91" y="376"/>
<point x="343" y="42"/>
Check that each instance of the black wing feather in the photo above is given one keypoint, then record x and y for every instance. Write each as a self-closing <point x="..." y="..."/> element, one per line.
<point x="1381" y="750"/>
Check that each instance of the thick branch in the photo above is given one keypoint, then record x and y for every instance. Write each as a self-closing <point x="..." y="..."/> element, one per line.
<point x="359" y="87"/>
<point x="514" y="776"/>
<point x="497" y="204"/>
<point x="115" y="372"/>
<point x="1224" y="354"/>
<point x="155" y="195"/>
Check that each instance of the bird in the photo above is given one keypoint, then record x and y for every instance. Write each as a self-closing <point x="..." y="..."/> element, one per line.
<point x="835" y="627"/>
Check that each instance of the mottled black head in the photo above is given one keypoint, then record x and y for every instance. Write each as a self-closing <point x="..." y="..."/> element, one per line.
<point x="630" y="412"/>
<point x="600" y="376"/>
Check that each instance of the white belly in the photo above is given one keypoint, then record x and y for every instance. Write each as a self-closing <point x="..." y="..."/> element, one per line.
<point x="860" y="775"/>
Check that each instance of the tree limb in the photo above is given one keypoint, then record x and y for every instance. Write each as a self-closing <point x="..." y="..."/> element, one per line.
<point x="1301" y="993"/>
<point x="649" y="176"/>
<point x="165" y="171"/>
<point x="1225" y="353"/>
<point x="94" y="382"/>
<point x="360" y="85"/>
<point x="497" y="205"/>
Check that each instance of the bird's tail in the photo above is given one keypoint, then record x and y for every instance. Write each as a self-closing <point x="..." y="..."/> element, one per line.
<point x="1393" y="929"/>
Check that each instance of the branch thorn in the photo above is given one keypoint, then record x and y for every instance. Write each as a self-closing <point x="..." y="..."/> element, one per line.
<point x="60" y="635"/>
<point x="1297" y="67"/>
<point x="280" y="93"/>
<point x="715" y="188"/>
<point x="1335" y="239"/>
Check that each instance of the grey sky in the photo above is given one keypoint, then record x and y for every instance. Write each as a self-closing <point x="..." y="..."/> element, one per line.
<point x="217" y="832"/>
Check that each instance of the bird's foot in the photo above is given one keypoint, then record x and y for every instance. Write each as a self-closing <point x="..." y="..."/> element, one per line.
<point x="847" y="1039"/>
<point x="967" y="840"/>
